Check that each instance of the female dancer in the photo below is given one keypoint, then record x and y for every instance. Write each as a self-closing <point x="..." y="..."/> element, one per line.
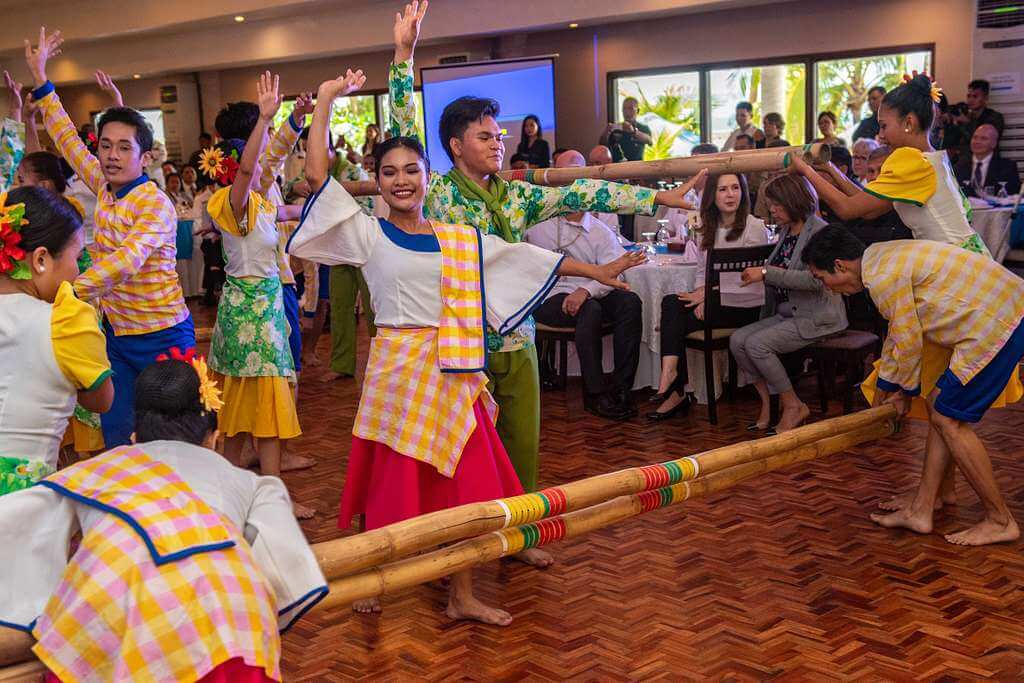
<point x="52" y="348"/>
<point x="250" y="339"/>
<point x="424" y="437"/>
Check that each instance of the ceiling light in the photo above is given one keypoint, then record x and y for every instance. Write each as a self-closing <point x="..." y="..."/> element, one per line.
<point x="239" y="18"/>
<point x="574" y="25"/>
<point x="136" y="75"/>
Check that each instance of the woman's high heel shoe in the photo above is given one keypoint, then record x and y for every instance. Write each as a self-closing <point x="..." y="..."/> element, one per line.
<point x="682" y="407"/>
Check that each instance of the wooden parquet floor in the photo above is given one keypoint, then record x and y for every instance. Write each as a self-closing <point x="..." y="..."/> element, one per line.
<point x="783" y="577"/>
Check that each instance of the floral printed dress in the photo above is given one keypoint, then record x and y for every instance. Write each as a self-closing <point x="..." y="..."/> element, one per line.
<point x="250" y="339"/>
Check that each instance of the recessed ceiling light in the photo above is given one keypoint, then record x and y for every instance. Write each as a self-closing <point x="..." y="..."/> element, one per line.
<point x="239" y="18"/>
<point x="574" y="25"/>
<point x="136" y="75"/>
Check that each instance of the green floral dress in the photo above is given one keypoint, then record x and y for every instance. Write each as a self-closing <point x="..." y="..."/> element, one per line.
<point x="12" y="149"/>
<point x="17" y="474"/>
<point x="526" y="204"/>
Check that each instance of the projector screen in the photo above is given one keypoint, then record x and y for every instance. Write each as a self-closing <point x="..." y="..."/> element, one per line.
<point x="521" y="87"/>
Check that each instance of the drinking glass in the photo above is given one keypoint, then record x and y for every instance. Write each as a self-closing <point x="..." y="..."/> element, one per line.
<point x="649" y="243"/>
<point x="1002" y="194"/>
<point x="662" y="236"/>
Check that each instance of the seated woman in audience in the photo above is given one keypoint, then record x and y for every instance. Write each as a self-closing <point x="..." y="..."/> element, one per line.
<point x="532" y="144"/>
<point x="774" y="126"/>
<point x="249" y="347"/>
<point x="827" y="123"/>
<point x="187" y="567"/>
<point x="726" y="224"/>
<point x="52" y="350"/>
<point x="862" y="149"/>
<point x="798" y="310"/>
<point x="424" y="437"/>
<point x="372" y="139"/>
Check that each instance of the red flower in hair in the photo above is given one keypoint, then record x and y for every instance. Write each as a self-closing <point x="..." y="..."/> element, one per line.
<point x="229" y="169"/>
<point x="9" y="249"/>
<point x="176" y="354"/>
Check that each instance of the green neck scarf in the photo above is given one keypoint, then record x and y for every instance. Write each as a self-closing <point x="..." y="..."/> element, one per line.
<point x="493" y="197"/>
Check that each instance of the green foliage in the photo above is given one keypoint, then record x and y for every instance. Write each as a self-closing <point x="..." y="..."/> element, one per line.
<point x="349" y="117"/>
<point x="661" y="148"/>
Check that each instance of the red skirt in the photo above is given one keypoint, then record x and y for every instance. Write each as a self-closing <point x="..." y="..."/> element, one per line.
<point x="232" y="671"/>
<point x="387" y="487"/>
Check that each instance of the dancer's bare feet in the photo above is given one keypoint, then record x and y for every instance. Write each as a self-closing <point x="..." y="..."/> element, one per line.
<point x="332" y="376"/>
<point x="303" y="511"/>
<point x="904" y="500"/>
<point x="792" y="418"/>
<point x="986" y="532"/>
<point x="535" y="557"/>
<point x="291" y="462"/>
<point x="903" y="519"/>
<point x="368" y="606"/>
<point x="471" y="608"/>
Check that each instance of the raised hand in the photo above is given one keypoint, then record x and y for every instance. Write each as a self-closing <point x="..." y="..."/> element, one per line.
<point x="14" y="96"/>
<point x="49" y="46"/>
<point x="107" y="85"/>
<point x="268" y="95"/>
<point x="676" y="199"/>
<point x="342" y="85"/>
<point x="608" y="273"/>
<point x="303" y="107"/>
<point x="407" y="29"/>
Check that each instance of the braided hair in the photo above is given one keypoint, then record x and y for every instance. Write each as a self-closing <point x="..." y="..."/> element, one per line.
<point x="168" y="407"/>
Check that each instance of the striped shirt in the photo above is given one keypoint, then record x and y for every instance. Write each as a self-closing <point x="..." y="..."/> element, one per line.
<point x="133" y="274"/>
<point x="946" y="295"/>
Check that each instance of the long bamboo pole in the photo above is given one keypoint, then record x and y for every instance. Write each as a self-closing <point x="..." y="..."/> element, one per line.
<point x="413" y="571"/>
<point x="353" y="553"/>
<point x="746" y="161"/>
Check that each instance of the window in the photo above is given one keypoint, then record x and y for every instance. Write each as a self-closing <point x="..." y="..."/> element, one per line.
<point x="779" y="88"/>
<point x="350" y="117"/>
<point x="384" y="100"/>
<point x="843" y="84"/>
<point x="669" y="104"/>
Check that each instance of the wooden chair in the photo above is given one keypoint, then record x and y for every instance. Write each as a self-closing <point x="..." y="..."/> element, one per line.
<point x="850" y="347"/>
<point x="710" y="339"/>
<point x="552" y="340"/>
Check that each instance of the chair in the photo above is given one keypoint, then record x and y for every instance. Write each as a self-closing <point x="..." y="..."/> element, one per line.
<point x="851" y="347"/>
<point x="552" y="339"/>
<point x="710" y="339"/>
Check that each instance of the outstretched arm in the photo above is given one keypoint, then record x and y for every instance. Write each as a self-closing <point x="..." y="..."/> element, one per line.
<point x="269" y="98"/>
<point x="108" y="86"/>
<point x="316" y="150"/>
<point x="400" y="77"/>
<point x="283" y="141"/>
<point x="859" y="205"/>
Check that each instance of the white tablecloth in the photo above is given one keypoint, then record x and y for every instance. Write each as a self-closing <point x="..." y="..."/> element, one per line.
<point x="993" y="226"/>
<point x="190" y="271"/>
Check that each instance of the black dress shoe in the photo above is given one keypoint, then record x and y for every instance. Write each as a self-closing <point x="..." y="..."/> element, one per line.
<point x="604" y="405"/>
<point x="624" y="397"/>
<point x="681" y="407"/>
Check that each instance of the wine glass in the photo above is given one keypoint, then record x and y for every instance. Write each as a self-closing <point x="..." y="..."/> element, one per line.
<point x="1002" y="194"/>
<point x="772" y="231"/>
<point x="662" y="236"/>
<point x="649" y="243"/>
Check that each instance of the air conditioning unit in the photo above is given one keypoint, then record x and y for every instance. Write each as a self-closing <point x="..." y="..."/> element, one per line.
<point x="999" y="59"/>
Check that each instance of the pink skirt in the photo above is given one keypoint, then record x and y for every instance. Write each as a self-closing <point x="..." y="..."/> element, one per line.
<point x="387" y="487"/>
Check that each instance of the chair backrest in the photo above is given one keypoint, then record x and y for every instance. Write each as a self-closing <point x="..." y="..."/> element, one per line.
<point x="727" y="261"/>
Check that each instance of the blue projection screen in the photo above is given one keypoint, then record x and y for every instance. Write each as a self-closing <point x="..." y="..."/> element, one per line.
<point x="521" y="87"/>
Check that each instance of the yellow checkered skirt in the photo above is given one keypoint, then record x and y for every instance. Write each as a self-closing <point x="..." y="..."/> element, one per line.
<point x="409" y="405"/>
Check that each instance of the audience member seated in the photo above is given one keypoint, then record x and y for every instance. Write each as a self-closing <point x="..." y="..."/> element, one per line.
<point x="978" y="110"/>
<point x="774" y="126"/>
<point x="798" y="310"/>
<point x="868" y="128"/>
<point x="205" y="142"/>
<point x="628" y="139"/>
<point x="952" y="132"/>
<point x="189" y="182"/>
<point x="726" y="223"/>
<point x="745" y="125"/>
<point x="984" y="168"/>
<point x="532" y="144"/>
<point x="562" y="150"/>
<point x="588" y="306"/>
<point x="518" y="162"/>
<point x="744" y="142"/>
<point x="827" y="123"/>
<point x="875" y="161"/>
<point x="862" y="149"/>
<point x="599" y="156"/>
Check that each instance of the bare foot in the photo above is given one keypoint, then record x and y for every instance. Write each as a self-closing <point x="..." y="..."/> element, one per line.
<point x="535" y="557"/>
<point x="791" y="419"/>
<point x="902" y="519"/>
<point x="368" y="606"/>
<point x="904" y="500"/>
<point x="303" y="511"/>
<point x="331" y="376"/>
<point x="291" y="462"/>
<point x="472" y="608"/>
<point x="985" y="532"/>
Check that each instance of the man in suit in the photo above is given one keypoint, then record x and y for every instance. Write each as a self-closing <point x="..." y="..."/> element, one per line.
<point x="983" y="167"/>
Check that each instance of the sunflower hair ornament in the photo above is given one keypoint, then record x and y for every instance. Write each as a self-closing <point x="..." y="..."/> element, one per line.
<point x="935" y="93"/>
<point x="216" y="165"/>
<point x="209" y="392"/>
<point x="12" y="256"/>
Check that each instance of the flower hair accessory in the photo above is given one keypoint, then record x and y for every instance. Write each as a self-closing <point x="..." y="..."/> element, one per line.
<point x="12" y="220"/>
<point x="935" y="92"/>
<point x="218" y="166"/>
<point x="209" y="392"/>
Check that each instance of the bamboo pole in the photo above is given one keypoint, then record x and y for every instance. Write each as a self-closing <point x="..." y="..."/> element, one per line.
<point x="413" y="571"/>
<point x="746" y="161"/>
<point x="353" y="553"/>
